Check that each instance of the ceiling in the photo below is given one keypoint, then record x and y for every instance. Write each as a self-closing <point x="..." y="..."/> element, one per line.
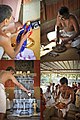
<point x="71" y="66"/>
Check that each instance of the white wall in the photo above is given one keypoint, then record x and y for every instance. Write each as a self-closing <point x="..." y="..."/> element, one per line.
<point x="31" y="10"/>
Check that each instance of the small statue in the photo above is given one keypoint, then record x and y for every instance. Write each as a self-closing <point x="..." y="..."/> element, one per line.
<point x="35" y="106"/>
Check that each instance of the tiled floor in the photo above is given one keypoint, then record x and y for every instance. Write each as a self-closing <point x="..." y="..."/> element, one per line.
<point x="9" y="116"/>
<point x="23" y="118"/>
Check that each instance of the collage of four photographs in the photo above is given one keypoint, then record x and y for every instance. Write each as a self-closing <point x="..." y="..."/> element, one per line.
<point x="39" y="60"/>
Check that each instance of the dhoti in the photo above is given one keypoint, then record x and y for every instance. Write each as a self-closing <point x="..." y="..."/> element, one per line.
<point x="2" y="99"/>
<point x="76" y="43"/>
<point x="62" y="100"/>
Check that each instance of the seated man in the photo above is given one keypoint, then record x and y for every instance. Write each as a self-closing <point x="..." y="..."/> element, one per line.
<point x="67" y="28"/>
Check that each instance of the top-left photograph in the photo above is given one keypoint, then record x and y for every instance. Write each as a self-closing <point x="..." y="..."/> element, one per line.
<point x="19" y="29"/>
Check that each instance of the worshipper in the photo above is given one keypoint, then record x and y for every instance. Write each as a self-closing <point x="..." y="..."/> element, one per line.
<point x="48" y="97"/>
<point x="4" y="76"/>
<point x="67" y="28"/>
<point x="56" y="92"/>
<point x="5" y="39"/>
<point x="65" y="96"/>
<point x="74" y="87"/>
<point x="78" y="86"/>
<point x="53" y="85"/>
<point x="42" y="105"/>
<point x="77" y="103"/>
<point x="64" y="99"/>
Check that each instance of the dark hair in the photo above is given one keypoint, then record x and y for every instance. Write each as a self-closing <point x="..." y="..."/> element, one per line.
<point x="79" y="84"/>
<point x="10" y="68"/>
<point x="64" y="11"/>
<point x="64" y="80"/>
<point x="5" y="12"/>
<point x="53" y="84"/>
<point x="41" y="91"/>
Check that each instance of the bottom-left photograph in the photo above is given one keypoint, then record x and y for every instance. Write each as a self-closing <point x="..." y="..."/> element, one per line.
<point x="19" y="90"/>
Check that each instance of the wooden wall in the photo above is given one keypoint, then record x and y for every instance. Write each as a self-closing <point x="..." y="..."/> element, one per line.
<point x="31" y="10"/>
<point x="6" y="63"/>
<point x="51" y="7"/>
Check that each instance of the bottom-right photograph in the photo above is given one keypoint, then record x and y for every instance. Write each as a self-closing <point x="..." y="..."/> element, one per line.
<point x="60" y="90"/>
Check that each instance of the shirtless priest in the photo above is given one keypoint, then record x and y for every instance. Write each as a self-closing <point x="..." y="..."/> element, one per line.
<point x="65" y="96"/>
<point x="5" y="39"/>
<point x="68" y="28"/>
<point x="4" y="76"/>
<point x="64" y="99"/>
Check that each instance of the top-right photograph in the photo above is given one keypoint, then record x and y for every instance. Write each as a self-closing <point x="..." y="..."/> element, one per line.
<point x="60" y="30"/>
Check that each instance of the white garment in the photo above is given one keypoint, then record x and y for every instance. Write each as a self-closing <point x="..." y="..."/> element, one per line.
<point x="78" y="98"/>
<point x="27" y="54"/>
<point x="52" y="35"/>
<point x="1" y="52"/>
<point x="66" y="34"/>
<point x="8" y="106"/>
<point x="2" y="99"/>
<point x="76" y="42"/>
<point x="49" y="99"/>
<point x="66" y="101"/>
